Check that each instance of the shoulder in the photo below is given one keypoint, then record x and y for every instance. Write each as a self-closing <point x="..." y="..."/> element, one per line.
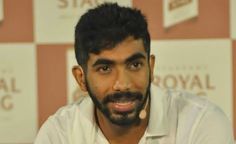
<point x="67" y="115"/>
<point x="190" y="102"/>
<point x="186" y="99"/>
<point x="59" y="125"/>
<point x="199" y="105"/>
<point x="213" y="127"/>
<point x="68" y="112"/>
<point x="203" y="121"/>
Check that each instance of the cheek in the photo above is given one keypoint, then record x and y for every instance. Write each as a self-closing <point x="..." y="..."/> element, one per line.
<point x="99" y="86"/>
<point x="140" y="80"/>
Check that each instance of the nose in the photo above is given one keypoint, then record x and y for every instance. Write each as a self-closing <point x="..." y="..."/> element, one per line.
<point x="122" y="82"/>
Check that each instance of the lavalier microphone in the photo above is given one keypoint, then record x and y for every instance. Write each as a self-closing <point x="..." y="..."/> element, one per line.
<point x="143" y="113"/>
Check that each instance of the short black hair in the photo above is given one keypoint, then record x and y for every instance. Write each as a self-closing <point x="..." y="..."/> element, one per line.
<point x="107" y="25"/>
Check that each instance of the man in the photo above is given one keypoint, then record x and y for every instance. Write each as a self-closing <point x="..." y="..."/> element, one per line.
<point x="112" y="47"/>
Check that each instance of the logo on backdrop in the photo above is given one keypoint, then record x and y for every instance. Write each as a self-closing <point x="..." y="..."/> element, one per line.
<point x="195" y="79"/>
<point x="69" y="8"/>
<point x="177" y="11"/>
<point x="174" y="4"/>
<point x="64" y="4"/>
<point x="8" y="89"/>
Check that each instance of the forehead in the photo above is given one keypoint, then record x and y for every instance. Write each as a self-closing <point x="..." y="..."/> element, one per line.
<point x="121" y="51"/>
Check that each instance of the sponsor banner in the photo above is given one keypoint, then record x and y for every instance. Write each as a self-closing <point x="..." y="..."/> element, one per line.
<point x="176" y="11"/>
<point x="1" y="10"/>
<point x="203" y="67"/>
<point x="55" y="20"/>
<point x="18" y="106"/>
<point x="73" y="90"/>
<point x="233" y="18"/>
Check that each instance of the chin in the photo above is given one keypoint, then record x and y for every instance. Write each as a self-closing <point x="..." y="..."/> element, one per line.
<point x="124" y="119"/>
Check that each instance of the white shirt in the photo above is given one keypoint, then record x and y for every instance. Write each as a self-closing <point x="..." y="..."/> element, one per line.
<point x="175" y="118"/>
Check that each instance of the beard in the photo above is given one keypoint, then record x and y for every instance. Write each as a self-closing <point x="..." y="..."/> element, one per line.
<point x="124" y="118"/>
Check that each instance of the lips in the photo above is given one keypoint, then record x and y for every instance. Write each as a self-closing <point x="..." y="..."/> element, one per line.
<point x="122" y="102"/>
<point x="125" y="106"/>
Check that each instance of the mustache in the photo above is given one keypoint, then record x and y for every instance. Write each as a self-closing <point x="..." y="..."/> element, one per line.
<point x="122" y="97"/>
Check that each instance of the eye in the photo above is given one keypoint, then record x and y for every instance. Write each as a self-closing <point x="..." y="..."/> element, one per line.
<point x="135" y="65"/>
<point x="104" y="69"/>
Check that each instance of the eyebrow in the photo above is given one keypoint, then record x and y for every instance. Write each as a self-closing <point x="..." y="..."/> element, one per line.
<point x="103" y="61"/>
<point x="135" y="56"/>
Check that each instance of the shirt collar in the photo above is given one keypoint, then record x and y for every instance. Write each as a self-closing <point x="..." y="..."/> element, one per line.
<point x="158" y="121"/>
<point x="86" y="107"/>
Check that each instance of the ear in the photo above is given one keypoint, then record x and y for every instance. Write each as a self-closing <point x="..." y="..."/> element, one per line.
<point x="79" y="77"/>
<point x="152" y="65"/>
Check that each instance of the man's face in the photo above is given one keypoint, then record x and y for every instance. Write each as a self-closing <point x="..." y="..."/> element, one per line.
<point x="118" y="81"/>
